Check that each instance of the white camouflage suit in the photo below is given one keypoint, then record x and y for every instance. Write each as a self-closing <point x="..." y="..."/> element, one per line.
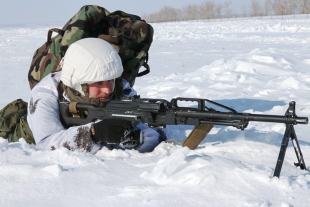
<point x="49" y="133"/>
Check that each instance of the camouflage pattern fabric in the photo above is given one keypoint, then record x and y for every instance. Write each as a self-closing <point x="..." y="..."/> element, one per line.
<point x="88" y="22"/>
<point x="13" y="122"/>
<point x="129" y="35"/>
<point x="133" y="40"/>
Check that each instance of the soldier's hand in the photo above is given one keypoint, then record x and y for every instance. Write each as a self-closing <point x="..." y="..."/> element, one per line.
<point x="116" y="131"/>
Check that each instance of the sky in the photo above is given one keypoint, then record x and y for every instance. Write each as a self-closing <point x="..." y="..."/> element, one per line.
<point x="58" y="11"/>
<point x="252" y="65"/>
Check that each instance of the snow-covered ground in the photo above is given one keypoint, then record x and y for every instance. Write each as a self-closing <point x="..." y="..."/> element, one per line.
<point x="254" y="66"/>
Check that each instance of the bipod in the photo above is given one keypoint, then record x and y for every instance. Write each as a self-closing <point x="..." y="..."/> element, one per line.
<point x="289" y="133"/>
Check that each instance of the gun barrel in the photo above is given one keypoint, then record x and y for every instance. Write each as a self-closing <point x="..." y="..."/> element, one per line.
<point x="278" y="119"/>
<point x="243" y="117"/>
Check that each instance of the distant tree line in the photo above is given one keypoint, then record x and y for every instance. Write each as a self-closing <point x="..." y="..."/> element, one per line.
<point x="211" y="10"/>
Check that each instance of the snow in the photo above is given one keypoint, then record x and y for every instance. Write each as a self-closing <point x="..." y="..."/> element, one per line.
<point x="253" y="66"/>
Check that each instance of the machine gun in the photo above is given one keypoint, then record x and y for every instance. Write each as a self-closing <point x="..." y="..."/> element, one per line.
<point x="160" y="112"/>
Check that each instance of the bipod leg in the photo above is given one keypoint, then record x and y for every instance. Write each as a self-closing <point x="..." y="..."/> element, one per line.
<point x="282" y="152"/>
<point x="301" y="163"/>
<point x="289" y="133"/>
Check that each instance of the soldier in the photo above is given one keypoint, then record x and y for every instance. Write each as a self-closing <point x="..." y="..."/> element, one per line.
<point x="89" y="69"/>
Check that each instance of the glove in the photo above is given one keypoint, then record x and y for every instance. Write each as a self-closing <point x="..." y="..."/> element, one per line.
<point x="116" y="131"/>
<point x="151" y="138"/>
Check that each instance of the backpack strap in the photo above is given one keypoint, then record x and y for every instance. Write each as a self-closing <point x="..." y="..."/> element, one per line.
<point x="50" y="32"/>
<point x="109" y="38"/>
<point x="146" y="71"/>
<point x="146" y="50"/>
<point x="124" y="14"/>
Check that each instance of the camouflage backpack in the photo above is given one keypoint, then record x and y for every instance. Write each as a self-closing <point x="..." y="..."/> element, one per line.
<point x="13" y="122"/>
<point x="129" y="35"/>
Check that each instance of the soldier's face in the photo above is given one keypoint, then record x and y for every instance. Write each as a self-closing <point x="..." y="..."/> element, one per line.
<point x="101" y="90"/>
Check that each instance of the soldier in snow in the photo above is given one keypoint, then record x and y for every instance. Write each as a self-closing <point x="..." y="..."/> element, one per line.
<point x="89" y="69"/>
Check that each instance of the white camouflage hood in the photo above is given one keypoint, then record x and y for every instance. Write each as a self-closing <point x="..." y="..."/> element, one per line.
<point x="90" y="60"/>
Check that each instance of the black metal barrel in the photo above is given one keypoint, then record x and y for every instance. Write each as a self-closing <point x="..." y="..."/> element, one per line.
<point x="242" y="117"/>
